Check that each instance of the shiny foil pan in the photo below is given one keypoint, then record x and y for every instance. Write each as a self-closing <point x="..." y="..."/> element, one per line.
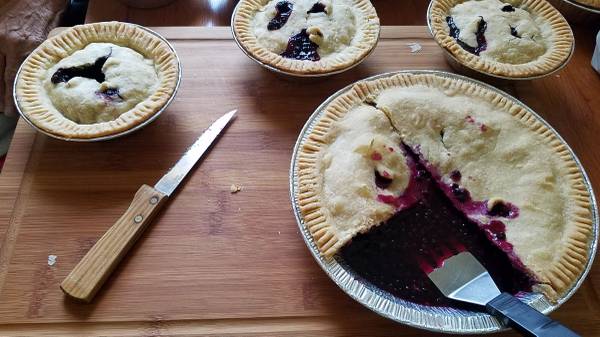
<point x="439" y="319"/>
<point x="116" y="135"/>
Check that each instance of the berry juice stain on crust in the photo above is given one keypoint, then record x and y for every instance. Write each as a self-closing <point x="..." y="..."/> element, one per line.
<point x="479" y="36"/>
<point x="110" y="94"/>
<point x="284" y="10"/>
<point x="300" y="47"/>
<point x="396" y="255"/>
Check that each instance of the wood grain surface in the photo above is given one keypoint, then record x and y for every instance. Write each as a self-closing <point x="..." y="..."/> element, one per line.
<point x="98" y="263"/>
<point x="215" y="263"/>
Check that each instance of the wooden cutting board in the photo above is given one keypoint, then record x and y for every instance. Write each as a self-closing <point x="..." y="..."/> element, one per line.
<point x="215" y="263"/>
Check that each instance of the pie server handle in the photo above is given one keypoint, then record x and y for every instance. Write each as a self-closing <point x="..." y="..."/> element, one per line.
<point x="94" y="268"/>
<point x="530" y="322"/>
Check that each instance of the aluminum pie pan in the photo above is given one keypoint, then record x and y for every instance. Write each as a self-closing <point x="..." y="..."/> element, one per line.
<point x="288" y="73"/>
<point x="438" y="319"/>
<point x="582" y="7"/>
<point x="111" y="136"/>
<point x="456" y="63"/>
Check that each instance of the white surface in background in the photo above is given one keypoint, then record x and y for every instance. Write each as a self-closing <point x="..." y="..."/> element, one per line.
<point x="596" y="56"/>
<point x="52" y="259"/>
<point x="414" y="47"/>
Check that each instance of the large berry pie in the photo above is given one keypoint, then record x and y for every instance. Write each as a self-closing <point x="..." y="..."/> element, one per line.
<point x="404" y="171"/>
<point x="512" y="39"/>
<point x="95" y="80"/>
<point x="307" y="36"/>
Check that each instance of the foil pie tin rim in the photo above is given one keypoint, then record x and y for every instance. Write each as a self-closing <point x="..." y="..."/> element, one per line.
<point x="582" y="7"/>
<point x="438" y="319"/>
<point x="111" y="136"/>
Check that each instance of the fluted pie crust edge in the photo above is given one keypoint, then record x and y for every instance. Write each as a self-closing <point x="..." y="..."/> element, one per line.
<point x="561" y="44"/>
<point x="555" y="280"/>
<point x="41" y="112"/>
<point x="353" y="54"/>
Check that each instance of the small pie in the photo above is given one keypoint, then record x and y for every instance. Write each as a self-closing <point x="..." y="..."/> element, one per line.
<point x="307" y="36"/>
<point x="96" y="80"/>
<point x="404" y="171"/>
<point x="515" y="39"/>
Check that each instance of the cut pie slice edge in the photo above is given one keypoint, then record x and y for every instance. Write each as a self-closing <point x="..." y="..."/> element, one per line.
<point x="493" y="158"/>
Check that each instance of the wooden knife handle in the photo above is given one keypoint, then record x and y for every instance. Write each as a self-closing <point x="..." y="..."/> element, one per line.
<point x="94" y="268"/>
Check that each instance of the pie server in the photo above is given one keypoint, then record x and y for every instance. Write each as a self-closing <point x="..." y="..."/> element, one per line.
<point x="462" y="278"/>
<point x="94" y="268"/>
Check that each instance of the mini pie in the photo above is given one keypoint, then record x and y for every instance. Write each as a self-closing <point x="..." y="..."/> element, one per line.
<point x="417" y="167"/>
<point x="307" y="36"/>
<point x="515" y="39"/>
<point x="97" y="79"/>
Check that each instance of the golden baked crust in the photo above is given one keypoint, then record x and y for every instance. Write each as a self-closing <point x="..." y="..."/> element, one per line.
<point x="572" y="251"/>
<point x="37" y="108"/>
<point x="358" y="50"/>
<point x="560" y="44"/>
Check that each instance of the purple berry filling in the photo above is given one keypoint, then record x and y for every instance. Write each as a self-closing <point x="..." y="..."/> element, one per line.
<point x="300" y="47"/>
<point x="317" y="8"/>
<point x="508" y="8"/>
<point x="455" y="175"/>
<point x="429" y="226"/>
<point x="513" y="32"/>
<point x="284" y="10"/>
<point x="479" y="35"/>
<point x="92" y="71"/>
<point x="381" y="181"/>
<point x="460" y="193"/>
<point x="504" y="210"/>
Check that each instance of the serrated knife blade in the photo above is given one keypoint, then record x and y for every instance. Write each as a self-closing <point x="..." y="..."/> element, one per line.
<point x="169" y="182"/>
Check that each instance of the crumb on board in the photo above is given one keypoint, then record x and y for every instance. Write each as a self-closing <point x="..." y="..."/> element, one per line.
<point x="51" y="260"/>
<point x="414" y="47"/>
<point x="235" y="188"/>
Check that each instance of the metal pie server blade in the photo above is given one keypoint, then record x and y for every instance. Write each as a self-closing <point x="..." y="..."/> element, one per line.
<point x="463" y="278"/>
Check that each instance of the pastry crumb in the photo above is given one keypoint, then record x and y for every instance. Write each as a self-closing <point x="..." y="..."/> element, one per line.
<point x="52" y="259"/>
<point x="414" y="47"/>
<point x="235" y="188"/>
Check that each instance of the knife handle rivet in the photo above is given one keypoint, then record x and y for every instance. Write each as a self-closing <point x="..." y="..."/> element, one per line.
<point x="138" y="218"/>
<point x="153" y="200"/>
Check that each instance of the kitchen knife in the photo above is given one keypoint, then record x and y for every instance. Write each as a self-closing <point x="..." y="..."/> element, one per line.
<point x="91" y="272"/>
